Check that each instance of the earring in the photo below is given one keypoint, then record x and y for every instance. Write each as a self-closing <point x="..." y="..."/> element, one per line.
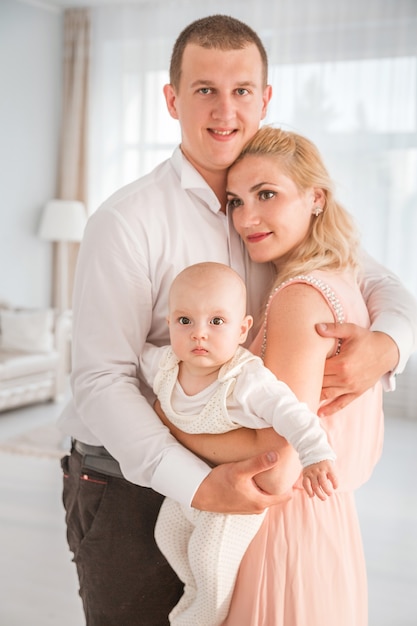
<point x="317" y="210"/>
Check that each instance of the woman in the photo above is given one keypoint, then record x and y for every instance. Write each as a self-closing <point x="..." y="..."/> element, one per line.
<point x="306" y="565"/>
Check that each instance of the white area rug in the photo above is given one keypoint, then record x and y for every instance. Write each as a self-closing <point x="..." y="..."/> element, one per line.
<point x="45" y="441"/>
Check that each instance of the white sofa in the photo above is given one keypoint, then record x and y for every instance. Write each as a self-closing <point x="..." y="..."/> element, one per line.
<point x="34" y="355"/>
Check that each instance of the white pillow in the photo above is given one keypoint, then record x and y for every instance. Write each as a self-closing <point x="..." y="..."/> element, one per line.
<point x="27" y="330"/>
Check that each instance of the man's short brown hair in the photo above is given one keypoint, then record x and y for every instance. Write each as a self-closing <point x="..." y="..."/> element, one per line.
<point x="215" y="31"/>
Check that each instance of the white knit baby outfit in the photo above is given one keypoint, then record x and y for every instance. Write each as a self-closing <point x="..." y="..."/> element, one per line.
<point x="205" y="549"/>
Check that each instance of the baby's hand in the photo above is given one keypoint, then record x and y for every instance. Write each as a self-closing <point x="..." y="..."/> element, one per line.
<point x="320" y="479"/>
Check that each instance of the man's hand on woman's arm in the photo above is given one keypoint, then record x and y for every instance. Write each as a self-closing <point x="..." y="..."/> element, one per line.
<point x="365" y="357"/>
<point x="231" y="487"/>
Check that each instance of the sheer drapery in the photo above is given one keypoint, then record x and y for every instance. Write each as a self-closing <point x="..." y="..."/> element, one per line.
<point x="72" y="165"/>
<point x="344" y="73"/>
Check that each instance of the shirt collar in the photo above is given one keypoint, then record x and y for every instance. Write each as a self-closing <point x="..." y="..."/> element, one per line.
<point x="193" y="181"/>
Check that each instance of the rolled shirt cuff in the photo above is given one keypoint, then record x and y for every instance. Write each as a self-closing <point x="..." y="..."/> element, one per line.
<point x="401" y="333"/>
<point x="179" y="475"/>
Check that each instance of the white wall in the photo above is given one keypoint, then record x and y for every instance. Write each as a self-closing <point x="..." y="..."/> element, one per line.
<point x="30" y="108"/>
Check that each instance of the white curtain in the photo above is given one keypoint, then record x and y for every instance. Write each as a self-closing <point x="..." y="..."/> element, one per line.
<point x="343" y="72"/>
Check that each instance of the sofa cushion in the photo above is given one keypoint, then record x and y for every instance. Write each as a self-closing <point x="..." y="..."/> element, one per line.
<point x="26" y="330"/>
<point x="15" y="365"/>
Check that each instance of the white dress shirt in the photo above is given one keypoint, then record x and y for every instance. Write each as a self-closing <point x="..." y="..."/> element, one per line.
<point x="133" y="247"/>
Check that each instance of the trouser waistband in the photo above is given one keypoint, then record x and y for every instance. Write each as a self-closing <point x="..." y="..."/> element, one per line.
<point x="97" y="458"/>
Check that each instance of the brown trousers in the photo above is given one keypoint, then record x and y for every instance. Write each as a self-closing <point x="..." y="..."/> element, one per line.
<point x="124" y="579"/>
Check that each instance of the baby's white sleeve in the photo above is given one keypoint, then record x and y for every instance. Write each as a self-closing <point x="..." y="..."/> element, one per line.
<point x="149" y="360"/>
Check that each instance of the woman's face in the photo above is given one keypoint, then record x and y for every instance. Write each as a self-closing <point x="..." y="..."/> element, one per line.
<point x="269" y="212"/>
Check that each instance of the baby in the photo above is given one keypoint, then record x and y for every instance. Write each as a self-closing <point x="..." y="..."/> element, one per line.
<point x="207" y="382"/>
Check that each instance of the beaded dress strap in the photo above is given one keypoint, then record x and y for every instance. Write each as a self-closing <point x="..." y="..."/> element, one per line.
<point x="327" y="292"/>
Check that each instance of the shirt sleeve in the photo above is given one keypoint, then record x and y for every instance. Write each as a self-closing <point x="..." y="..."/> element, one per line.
<point x="112" y="311"/>
<point x="392" y="309"/>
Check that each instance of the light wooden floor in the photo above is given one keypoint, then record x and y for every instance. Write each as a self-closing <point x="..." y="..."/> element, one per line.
<point x="39" y="586"/>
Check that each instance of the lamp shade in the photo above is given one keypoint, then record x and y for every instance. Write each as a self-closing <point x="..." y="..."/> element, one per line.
<point x="63" y="220"/>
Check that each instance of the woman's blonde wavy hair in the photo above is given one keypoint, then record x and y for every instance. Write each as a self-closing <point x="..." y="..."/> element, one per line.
<point x="333" y="241"/>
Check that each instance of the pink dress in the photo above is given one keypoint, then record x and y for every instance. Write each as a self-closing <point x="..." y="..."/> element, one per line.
<point x="306" y="565"/>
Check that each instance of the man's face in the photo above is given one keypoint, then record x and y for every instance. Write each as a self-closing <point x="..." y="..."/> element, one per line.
<point x="220" y="102"/>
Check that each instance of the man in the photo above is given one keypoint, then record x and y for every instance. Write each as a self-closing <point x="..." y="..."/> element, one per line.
<point x="134" y="245"/>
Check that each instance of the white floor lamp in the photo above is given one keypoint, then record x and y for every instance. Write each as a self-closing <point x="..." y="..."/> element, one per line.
<point x="63" y="221"/>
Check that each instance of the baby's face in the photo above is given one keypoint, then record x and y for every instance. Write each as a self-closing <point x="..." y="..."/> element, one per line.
<point x="207" y="321"/>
